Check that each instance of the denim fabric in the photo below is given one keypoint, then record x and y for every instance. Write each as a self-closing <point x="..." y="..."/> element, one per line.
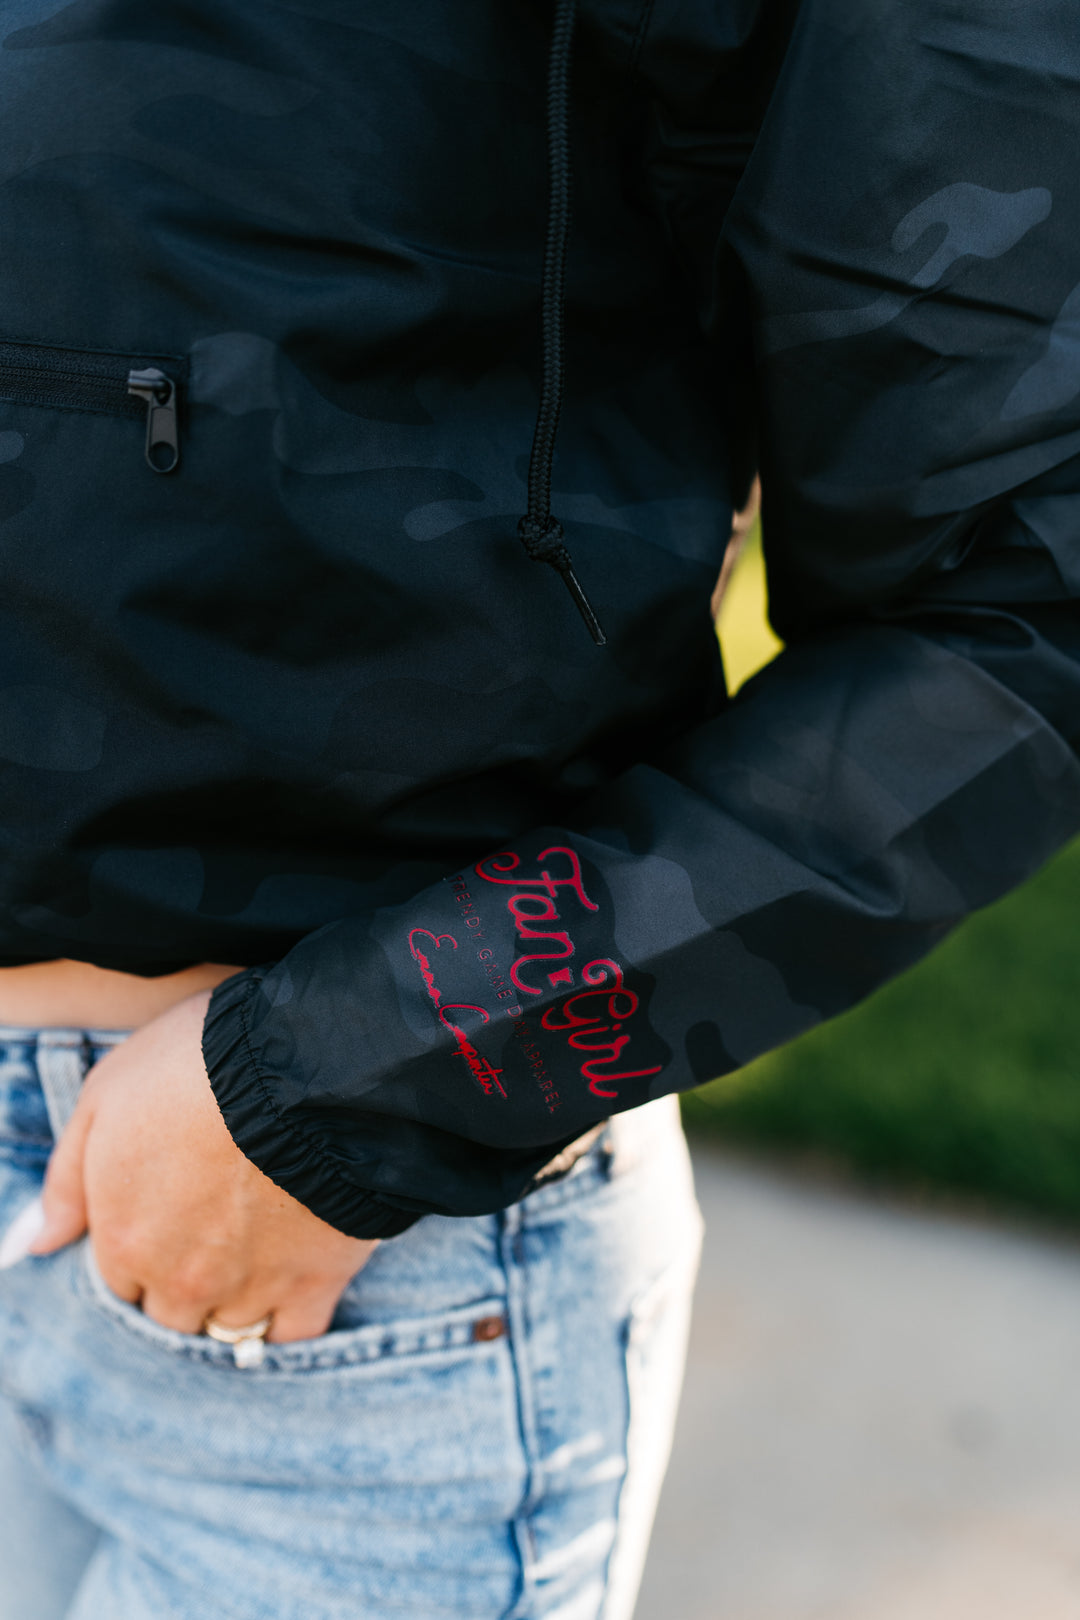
<point x="482" y="1434"/>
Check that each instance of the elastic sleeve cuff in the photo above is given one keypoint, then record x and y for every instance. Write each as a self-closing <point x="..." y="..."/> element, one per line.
<point x="295" y="1161"/>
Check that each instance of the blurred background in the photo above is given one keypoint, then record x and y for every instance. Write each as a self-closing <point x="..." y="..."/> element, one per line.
<point x="882" y="1417"/>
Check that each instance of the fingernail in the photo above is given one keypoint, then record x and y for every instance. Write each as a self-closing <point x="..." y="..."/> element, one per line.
<point x="26" y="1226"/>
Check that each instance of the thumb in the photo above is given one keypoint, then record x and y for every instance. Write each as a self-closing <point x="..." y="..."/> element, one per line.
<point x="63" y="1197"/>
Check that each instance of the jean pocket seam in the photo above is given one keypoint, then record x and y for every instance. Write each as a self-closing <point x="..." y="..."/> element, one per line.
<point x="475" y="1328"/>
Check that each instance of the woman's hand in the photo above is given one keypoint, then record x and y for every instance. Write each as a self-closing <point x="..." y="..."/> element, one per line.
<point x="181" y="1222"/>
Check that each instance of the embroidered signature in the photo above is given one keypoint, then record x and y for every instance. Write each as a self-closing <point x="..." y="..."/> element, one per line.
<point x="484" y="1073"/>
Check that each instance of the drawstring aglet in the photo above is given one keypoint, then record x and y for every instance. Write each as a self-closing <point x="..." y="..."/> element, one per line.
<point x="545" y="542"/>
<point x="582" y="603"/>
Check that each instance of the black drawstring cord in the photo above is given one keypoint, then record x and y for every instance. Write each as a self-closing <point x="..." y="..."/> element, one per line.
<point x="539" y="532"/>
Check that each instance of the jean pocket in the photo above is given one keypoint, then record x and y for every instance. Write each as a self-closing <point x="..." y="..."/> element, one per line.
<point x="469" y="1329"/>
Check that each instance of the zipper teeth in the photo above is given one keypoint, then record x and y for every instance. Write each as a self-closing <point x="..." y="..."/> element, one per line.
<point x="50" y="386"/>
<point x="66" y="378"/>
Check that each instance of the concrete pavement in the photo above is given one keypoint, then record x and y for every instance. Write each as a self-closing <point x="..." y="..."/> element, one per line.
<point x="881" y="1418"/>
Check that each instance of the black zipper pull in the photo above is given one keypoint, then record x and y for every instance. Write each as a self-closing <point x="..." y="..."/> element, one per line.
<point x="162" y="418"/>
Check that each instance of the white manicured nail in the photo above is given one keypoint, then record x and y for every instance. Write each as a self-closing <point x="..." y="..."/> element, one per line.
<point x="26" y="1226"/>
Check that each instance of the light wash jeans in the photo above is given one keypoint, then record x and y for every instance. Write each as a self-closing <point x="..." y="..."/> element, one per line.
<point x="481" y="1435"/>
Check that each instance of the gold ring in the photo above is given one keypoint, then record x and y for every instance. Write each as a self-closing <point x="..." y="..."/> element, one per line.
<point x="248" y="1343"/>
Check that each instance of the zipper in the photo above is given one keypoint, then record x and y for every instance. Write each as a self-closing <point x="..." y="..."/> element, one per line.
<point x="158" y="392"/>
<point x="107" y="384"/>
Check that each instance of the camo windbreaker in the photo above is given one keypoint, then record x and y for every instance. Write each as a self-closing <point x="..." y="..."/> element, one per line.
<point x="281" y="687"/>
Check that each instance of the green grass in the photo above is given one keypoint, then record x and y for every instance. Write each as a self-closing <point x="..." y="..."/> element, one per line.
<point x="963" y="1074"/>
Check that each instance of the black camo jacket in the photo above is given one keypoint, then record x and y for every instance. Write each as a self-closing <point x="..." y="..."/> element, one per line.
<point x="279" y="684"/>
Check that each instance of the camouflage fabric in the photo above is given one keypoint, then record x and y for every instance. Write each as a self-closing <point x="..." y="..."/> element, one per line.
<point x="304" y="705"/>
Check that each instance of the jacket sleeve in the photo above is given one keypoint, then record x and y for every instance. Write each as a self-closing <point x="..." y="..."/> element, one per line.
<point x="902" y="253"/>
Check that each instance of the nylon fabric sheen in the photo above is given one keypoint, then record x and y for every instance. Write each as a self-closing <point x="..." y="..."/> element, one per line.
<point x="305" y="704"/>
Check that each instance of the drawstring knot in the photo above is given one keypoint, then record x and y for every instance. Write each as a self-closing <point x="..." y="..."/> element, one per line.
<point x="539" y="532"/>
<point x="544" y="541"/>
